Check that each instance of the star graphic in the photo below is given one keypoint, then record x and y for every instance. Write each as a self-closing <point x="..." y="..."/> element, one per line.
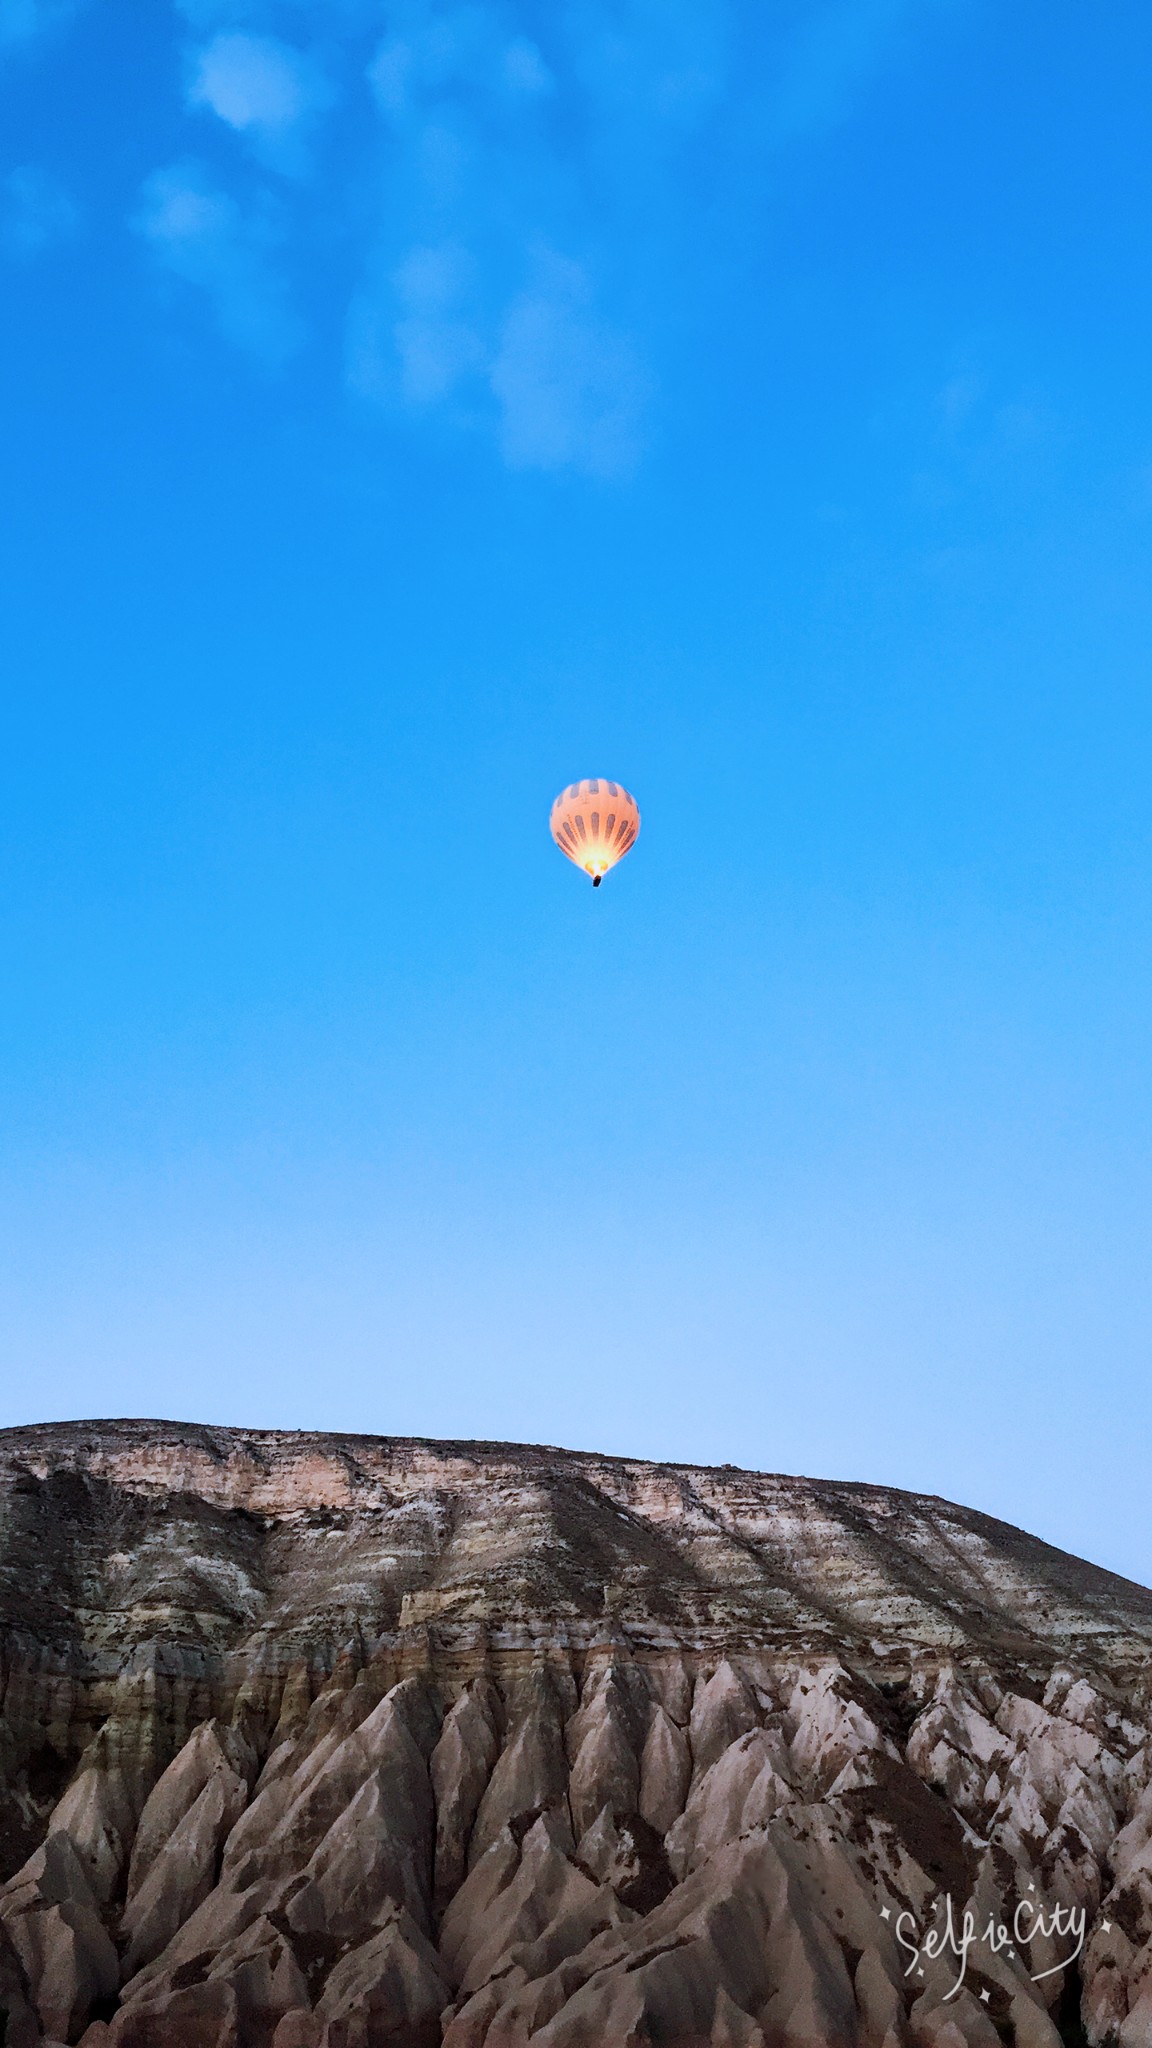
<point x="920" y="1971"/>
<point x="1031" y="1887"/>
<point x="985" y="1994"/>
<point x="1107" y="1926"/>
<point x="885" y="1912"/>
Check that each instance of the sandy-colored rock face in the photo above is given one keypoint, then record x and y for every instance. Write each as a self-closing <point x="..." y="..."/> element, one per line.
<point x="330" y="1742"/>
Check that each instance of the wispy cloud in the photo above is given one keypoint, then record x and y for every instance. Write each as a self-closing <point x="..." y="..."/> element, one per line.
<point x="560" y="386"/>
<point x="570" y="389"/>
<point x="514" y="197"/>
<point x="262" y="87"/>
<point x="202" y="236"/>
<point x="512" y="166"/>
<point x="413" y="334"/>
<point x="645" y="62"/>
<point x="35" y="211"/>
<point x="436" y="340"/>
<point x="473" y="53"/>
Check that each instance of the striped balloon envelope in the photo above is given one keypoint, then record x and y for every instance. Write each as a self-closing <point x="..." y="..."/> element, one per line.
<point x="594" y="823"/>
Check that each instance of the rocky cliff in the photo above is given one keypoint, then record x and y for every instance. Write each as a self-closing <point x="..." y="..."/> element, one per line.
<point x="328" y="1742"/>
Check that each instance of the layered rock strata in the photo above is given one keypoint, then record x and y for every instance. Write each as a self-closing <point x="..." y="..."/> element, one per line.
<point x="330" y="1742"/>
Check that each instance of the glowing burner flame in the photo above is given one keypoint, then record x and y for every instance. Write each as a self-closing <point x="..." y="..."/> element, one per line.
<point x="595" y="823"/>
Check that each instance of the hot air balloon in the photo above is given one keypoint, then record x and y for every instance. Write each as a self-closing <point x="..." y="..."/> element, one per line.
<point x="594" y="823"/>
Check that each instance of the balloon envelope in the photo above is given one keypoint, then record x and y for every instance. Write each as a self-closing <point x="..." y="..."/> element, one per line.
<point x="594" y="823"/>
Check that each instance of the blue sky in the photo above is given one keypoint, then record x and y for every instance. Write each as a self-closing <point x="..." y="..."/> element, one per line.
<point x="409" y="408"/>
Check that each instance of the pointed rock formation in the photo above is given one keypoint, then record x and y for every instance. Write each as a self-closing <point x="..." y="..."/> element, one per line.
<point x="354" y="1741"/>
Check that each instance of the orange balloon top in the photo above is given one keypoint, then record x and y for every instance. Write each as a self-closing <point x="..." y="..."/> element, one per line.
<point x="594" y="823"/>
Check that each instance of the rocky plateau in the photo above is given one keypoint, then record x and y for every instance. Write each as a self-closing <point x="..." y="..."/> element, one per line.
<point x="335" y="1742"/>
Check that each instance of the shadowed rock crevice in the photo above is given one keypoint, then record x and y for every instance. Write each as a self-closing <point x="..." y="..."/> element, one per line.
<point x="330" y="1742"/>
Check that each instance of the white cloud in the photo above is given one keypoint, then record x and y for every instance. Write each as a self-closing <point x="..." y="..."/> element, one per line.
<point x="525" y="69"/>
<point x="486" y="159"/>
<point x="413" y="337"/>
<point x="650" y="61"/>
<point x="475" y="53"/>
<point x="562" y="388"/>
<point x="202" y="236"/>
<point x="436" y="343"/>
<point x="570" y="390"/>
<point x="35" y="211"/>
<point x="256" y="82"/>
<point x="505" y="129"/>
<point x="265" y="90"/>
